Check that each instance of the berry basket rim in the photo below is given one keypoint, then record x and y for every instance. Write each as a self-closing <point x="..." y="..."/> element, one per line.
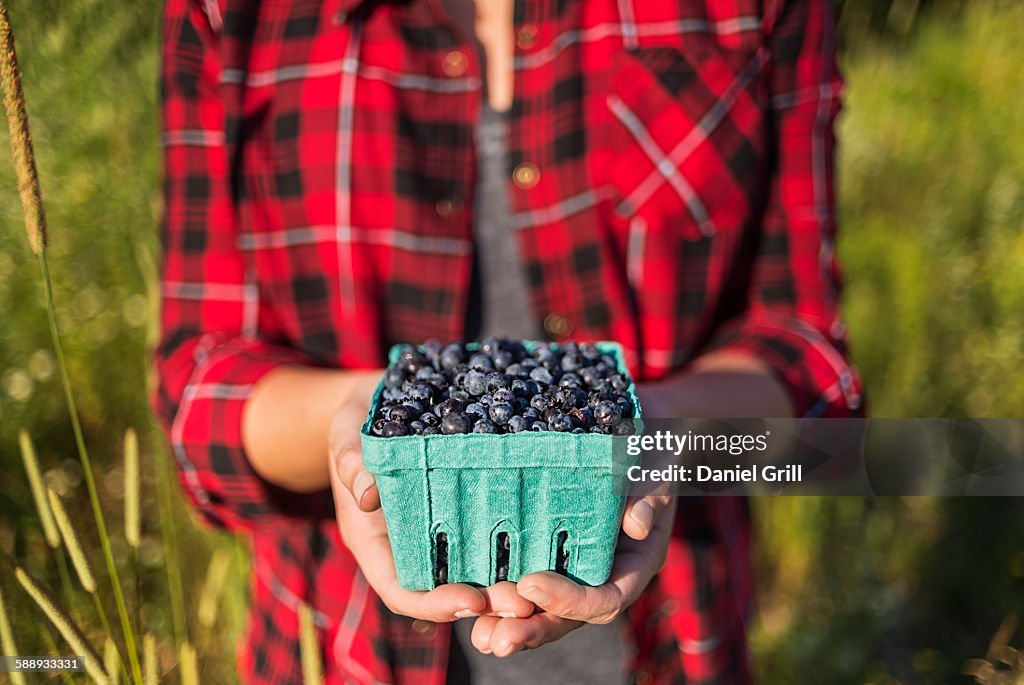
<point x="543" y="449"/>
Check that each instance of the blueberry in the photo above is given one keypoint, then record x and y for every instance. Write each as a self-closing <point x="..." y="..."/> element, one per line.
<point x="573" y="397"/>
<point x="476" y="409"/>
<point x="377" y="427"/>
<point x="415" y="408"/>
<point x="421" y="392"/>
<point x="394" y="377"/>
<point x="561" y="423"/>
<point x="504" y="395"/>
<point x="452" y="356"/>
<point x="617" y="382"/>
<point x="484" y="426"/>
<point x="447" y="407"/>
<point x="431" y="430"/>
<point x="460" y="395"/>
<point x="569" y="380"/>
<point x="417" y="427"/>
<point x="432" y="349"/>
<point x="540" y="402"/>
<point x="412" y="361"/>
<point x="500" y="412"/>
<point x="542" y="375"/>
<point x="607" y="413"/>
<point x="400" y="414"/>
<point x="577" y="431"/>
<point x="589" y="375"/>
<point x="490" y="345"/>
<point x="424" y="373"/>
<point x="548" y="359"/>
<point x="624" y="428"/>
<point x="571" y="362"/>
<point x="496" y="381"/>
<point x="502" y="360"/>
<point x="431" y="419"/>
<point x="597" y="429"/>
<point x="539" y="426"/>
<point x="393" y="429"/>
<point x="590" y="352"/>
<point x="518" y="424"/>
<point x="520" y="388"/>
<point x="531" y="413"/>
<point x="481" y="362"/>
<point x="437" y="381"/>
<point x="475" y="383"/>
<point x="455" y="422"/>
<point x="625" y="405"/>
<point x="515" y="370"/>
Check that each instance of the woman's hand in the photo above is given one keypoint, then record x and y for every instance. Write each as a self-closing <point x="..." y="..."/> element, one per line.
<point x="565" y="605"/>
<point x="362" y="526"/>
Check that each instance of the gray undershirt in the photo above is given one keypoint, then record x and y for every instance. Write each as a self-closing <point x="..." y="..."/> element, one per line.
<point x="593" y="653"/>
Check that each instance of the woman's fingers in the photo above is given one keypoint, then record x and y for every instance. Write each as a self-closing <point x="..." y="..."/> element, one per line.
<point x="481" y="635"/>
<point x="560" y="596"/>
<point x="504" y="601"/>
<point x="346" y="454"/>
<point x="511" y="635"/>
<point x="641" y="514"/>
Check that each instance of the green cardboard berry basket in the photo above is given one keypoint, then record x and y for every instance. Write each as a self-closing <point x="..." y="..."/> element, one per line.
<point x="557" y="497"/>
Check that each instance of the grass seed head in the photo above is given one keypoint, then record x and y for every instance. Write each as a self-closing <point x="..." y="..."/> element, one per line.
<point x="74" y="547"/>
<point x="35" y="481"/>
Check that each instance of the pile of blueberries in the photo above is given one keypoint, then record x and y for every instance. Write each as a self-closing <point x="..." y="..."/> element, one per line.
<point x="503" y="388"/>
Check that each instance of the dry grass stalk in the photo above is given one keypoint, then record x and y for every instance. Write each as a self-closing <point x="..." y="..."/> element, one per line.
<point x="187" y="665"/>
<point x="35" y="481"/>
<point x="309" y="647"/>
<point x="67" y="628"/>
<point x="21" y="138"/>
<point x="216" y="577"/>
<point x="111" y="660"/>
<point x="149" y="663"/>
<point x="74" y="547"/>
<point x="7" y="639"/>
<point x="131" y="489"/>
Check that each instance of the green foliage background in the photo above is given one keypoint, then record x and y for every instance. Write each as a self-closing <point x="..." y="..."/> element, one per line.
<point x="851" y="590"/>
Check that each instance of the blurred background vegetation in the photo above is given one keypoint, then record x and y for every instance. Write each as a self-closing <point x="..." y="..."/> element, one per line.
<point x="886" y="590"/>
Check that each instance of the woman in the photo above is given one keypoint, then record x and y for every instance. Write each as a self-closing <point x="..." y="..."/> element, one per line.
<point x="344" y="175"/>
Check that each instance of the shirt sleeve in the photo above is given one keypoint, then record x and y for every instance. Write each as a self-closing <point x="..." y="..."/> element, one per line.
<point x="791" y="322"/>
<point x="214" y="345"/>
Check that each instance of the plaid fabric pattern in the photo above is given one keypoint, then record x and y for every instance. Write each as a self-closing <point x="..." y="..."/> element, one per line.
<point x="670" y="169"/>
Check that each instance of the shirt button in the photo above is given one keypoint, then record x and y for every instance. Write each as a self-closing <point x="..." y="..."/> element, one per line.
<point x="527" y="37"/>
<point x="422" y="628"/>
<point x="557" y="326"/>
<point x="642" y="677"/>
<point x="526" y="176"/>
<point x="454" y="64"/>
<point x="448" y="206"/>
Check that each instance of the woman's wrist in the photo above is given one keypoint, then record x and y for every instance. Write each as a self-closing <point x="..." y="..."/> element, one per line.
<point x="718" y="385"/>
<point x="287" y="419"/>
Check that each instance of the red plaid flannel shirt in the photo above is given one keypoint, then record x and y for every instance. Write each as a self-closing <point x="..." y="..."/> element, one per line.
<point x="670" y="175"/>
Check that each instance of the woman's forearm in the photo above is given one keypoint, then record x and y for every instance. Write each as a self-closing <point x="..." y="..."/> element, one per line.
<point x="287" y="418"/>
<point x="719" y="385"/>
